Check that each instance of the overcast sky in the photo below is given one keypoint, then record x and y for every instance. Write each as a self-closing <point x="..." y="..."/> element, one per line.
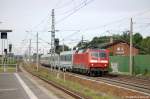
<point x="96" y="18"/>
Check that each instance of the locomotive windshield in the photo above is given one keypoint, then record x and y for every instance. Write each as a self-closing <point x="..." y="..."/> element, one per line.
<point x="99" y="54"/>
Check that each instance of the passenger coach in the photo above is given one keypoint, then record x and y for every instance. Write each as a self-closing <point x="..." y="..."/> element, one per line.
<point x="50" y="60"/>
<point x="66" y="60"/>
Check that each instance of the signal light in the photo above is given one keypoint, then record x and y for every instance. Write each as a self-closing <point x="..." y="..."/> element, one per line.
<point x="3" y="35"/>
<point x="5" y="51"/>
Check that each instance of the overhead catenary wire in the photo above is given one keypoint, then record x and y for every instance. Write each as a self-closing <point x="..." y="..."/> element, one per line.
<point x="87" y="29"/>
<point x="40" y="38"/>
<point x="118" y="21"/>
<point x="64" y="5"/>
<point x="83" y="3"/>
<point x="73" y="11"/>
<point x="25" y="42"/>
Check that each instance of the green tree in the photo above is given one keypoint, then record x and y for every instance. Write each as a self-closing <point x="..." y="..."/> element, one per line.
<point x="82" y="45"/>
<point x="60" y="48"/>
<point x="145" y="44"/>
<point x="125" y="36"/>
<point x="137" y="38"/>
<point x="99" y="40"/>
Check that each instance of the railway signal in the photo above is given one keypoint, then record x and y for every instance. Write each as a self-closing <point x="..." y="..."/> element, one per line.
<point x="5" y="51"/>
<point x="10" y="48"/>
<point x="3" y="35"/>
<point x="4" y="38"/>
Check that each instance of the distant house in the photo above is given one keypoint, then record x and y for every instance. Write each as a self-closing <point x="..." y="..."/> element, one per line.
<point x="119" y="47"/>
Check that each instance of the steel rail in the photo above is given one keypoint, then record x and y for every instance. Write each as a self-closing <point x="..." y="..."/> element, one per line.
<point x="67" y="91"/>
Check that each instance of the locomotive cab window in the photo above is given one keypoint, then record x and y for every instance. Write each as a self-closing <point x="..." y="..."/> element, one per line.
<point x="95" y="54"/>
<point x="102" y="54"/>
<point x="99" y="54"/>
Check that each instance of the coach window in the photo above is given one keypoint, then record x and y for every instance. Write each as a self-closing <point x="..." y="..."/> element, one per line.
<point x="61" y="58"/>
<point x="65" y="57"/>
<point x="70" y="57"/>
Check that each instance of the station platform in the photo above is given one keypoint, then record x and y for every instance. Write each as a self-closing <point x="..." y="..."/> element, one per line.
<point x="18" y="86"/>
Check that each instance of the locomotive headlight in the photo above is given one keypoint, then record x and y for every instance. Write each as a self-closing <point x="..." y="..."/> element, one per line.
<point x="105" y="65"/>
<point x="104" y="61"/>
<point x="93" y="61"/>
<point x="92" y="64"/>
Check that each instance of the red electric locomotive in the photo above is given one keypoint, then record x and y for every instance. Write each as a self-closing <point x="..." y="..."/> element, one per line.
<point x="91" y="61"/>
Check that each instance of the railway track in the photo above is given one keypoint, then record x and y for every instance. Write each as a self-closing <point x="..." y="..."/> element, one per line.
<point x="73" y="94"/>
<point x="134" y="84"/>
<point x="67" y="91"/>
<point x="127" y="82"/>
<point x="140" y="79"/>
<point x="132" y="79"/>
<point x="142" y="88"/>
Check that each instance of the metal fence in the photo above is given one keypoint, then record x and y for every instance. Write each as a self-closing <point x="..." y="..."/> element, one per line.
<point x="8" y="68"/>
<point x="120" y="64"/>
<point x="8" y="64"/>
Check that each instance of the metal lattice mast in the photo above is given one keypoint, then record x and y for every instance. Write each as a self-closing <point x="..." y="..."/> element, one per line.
<point x="53" y="33"/>
<point x="53" y="38"/>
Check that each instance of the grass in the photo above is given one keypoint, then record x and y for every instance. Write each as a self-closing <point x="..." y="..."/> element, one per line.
<point x="9" y="61"/>
<point x="90" y="93"/>
<point x="8" y="68"/>
<point x="146" y="74"/>
<point x="1" y="70"/>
